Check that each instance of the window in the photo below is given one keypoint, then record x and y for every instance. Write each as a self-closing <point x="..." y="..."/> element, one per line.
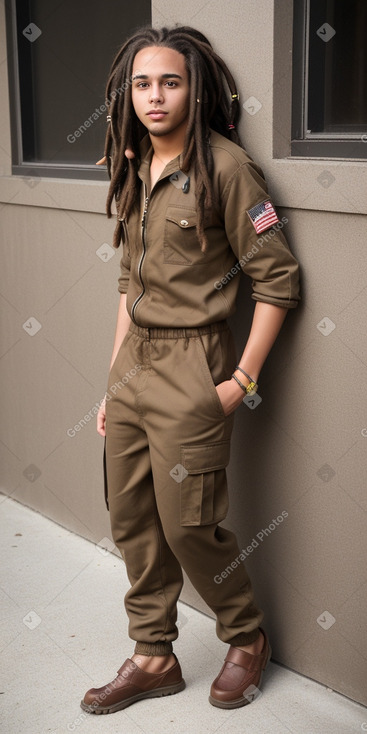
<point x="60" y="54"/>
<point x="330" y="79"/>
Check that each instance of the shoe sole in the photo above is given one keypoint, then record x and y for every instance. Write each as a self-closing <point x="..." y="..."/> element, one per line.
<point x="155" y="693"/>
<point x="243" y="701"/>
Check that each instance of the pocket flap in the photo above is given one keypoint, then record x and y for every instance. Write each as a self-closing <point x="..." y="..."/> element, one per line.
<point x="205" y="458"/>
<point x="184" y="218"/>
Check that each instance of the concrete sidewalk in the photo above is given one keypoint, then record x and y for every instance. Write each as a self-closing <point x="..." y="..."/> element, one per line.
<point x="64" y="630"/>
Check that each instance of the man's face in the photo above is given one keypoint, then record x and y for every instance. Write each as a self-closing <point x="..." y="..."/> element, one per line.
<point x="160" y="90"/>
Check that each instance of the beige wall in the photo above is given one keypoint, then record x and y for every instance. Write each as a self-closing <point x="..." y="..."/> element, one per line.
<point x="313" y="387"/>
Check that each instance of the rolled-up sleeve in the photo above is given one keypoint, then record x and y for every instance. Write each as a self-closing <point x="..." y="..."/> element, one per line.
<point x="257" y="239"/>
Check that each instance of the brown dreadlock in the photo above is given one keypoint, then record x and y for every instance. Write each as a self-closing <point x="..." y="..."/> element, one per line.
<point x="207" y="72"/>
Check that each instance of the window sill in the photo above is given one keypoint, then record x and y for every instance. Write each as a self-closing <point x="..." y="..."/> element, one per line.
<point x="319" y="184"/>
<point x="55" y="193"/>
<point x="299" y="183"/>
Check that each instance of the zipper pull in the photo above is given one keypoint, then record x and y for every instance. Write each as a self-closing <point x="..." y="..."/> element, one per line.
<point x="186" y="186"/>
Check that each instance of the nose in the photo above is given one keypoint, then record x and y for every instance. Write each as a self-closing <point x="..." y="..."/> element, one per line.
<point x="156" y="93"/>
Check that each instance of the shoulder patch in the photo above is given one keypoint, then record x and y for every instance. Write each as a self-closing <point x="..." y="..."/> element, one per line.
<point x="263" y="216"/>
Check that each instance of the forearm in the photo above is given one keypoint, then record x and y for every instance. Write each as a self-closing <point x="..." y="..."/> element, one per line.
<point x="266" y="324"/>
<point x="122" y="327"/>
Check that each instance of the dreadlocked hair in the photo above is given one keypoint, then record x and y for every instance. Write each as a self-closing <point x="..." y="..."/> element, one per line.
<point x="210" y="106"/>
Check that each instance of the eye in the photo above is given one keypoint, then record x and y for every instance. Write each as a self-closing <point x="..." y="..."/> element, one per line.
<point x="171" y="84"/>
<point x="142" y="85"/>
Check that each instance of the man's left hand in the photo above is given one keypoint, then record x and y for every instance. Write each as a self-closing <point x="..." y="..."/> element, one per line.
<point x="230" y="395"/>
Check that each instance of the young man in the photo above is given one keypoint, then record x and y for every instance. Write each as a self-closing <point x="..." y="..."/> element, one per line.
<point x="192" y="206"/>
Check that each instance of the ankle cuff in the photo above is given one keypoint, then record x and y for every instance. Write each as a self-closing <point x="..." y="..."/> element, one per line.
<point x="153" y="648"/>
<point x="244" y="638"/>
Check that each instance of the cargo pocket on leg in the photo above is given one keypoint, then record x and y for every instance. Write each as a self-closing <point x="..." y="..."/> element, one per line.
<point x="203" y="490"/>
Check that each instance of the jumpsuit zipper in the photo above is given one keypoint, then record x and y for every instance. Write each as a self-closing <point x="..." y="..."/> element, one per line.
<point x="185" y="189"/>
<point x="140" y="296"/>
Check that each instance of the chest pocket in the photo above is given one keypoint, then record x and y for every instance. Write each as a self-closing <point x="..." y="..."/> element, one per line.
<point x="181" y="245"/>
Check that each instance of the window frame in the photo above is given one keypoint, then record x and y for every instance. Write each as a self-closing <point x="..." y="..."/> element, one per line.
<point x="20" y="167"/>
<point x="339" y="145"/>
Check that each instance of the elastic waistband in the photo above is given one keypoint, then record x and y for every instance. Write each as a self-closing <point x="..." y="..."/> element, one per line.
<point x="163" y="332"/>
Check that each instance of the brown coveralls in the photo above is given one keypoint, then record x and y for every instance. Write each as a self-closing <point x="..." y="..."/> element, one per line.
<point x="167" y="438"/>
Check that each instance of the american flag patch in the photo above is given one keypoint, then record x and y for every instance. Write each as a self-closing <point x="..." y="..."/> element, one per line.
<point x="263" y="216"/>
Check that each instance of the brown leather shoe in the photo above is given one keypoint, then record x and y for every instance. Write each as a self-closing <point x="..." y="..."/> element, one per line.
<point x="132" y="684"/>
<point x="239" y="680"/>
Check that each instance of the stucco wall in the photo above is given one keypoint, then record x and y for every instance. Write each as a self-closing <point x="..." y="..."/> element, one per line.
<point x="301" y="452"/>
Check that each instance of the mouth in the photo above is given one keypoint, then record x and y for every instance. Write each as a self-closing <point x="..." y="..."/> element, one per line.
<point x="156" y="114"/>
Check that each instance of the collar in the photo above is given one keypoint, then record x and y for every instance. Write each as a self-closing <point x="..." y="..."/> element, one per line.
<point x="146" y="153"/>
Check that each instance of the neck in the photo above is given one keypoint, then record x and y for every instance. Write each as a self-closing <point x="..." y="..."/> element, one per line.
<point x="167" y="147"/>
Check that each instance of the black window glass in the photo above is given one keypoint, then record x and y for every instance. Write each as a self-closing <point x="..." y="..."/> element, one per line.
<point x="337" y="66"/>
<point x="64" y="51"/>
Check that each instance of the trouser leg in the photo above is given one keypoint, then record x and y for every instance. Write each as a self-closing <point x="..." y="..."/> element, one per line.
<point x="153" y="571"/>
<point x="189" y="439"/>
